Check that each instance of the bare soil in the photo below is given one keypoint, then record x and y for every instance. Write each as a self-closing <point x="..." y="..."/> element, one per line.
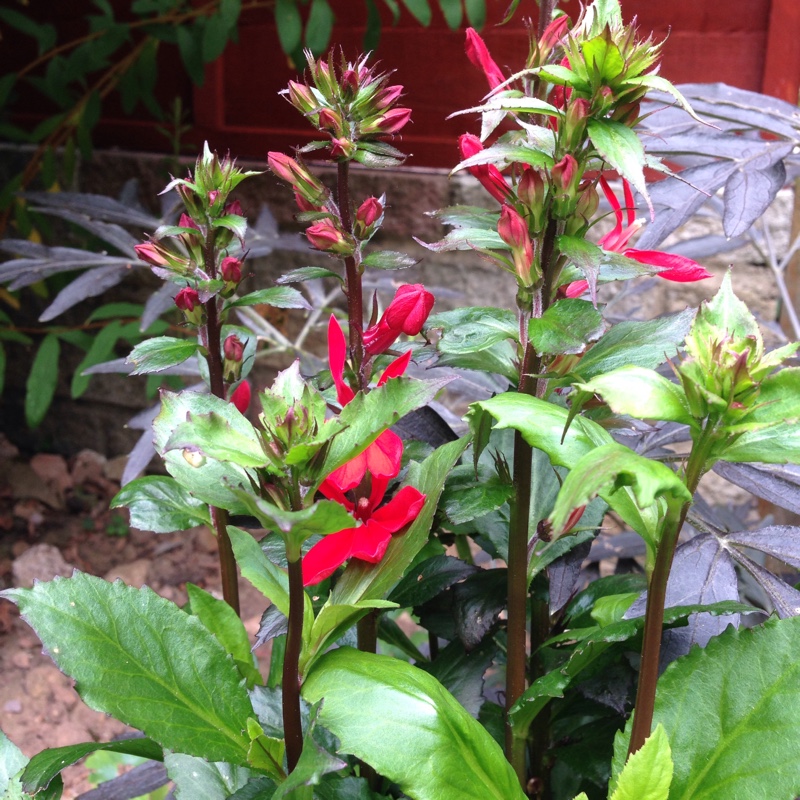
<point x="54" y="518"/>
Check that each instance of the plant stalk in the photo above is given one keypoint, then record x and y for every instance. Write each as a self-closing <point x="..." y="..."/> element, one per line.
<point x="657" y="593"/>
<point x="292" y="725"/>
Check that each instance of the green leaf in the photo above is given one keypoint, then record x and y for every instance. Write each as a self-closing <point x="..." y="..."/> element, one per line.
<point x="644" y="344"/>
<point x="465" y="498"/>
<point x="319" y="26"/>
<point x="160" y="353"/>
<point x="224" y="623"/>
<point x="420" y="10"/>
<point x="289" y="24"/>
<point x="276" y="296"/>
<point x="45" y="35"/>
<point x="389" y="259"/>
<point x="101" y="349"/>
<point x="161" y="505"/>
<point x="621" y="148"/>
<point x="566" y="327"/>
<point x="196" y="779"/>
<point x="731" y="711"/>
<point x="452" y="11"/>
<point x="454" y="757"/>
<point x="362" y="581"/>
<point x="12" y="760"/>
<point x="45" y="766"/>
<point x="267" y="577"/>
<point x="215" y="38"/>
<point x="648" y="773"/>
<point x="641" y="393"/>
<point x="41" y="384"/>
<point x="472" y="329"/>
<point x="226" y="436"/>
<point x="294" y="527"/>
<point x="307" y="274"/>
<point x="476" y="13"/>
<point x="190" y="46"/>
<point x="138" y="657"/>
<point x="607" y="469"/>
<point x="207" y="479"/>
<point x="367" y="416"/>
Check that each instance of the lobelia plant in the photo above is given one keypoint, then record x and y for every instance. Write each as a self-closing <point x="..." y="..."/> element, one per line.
<point x="362" y="525"/>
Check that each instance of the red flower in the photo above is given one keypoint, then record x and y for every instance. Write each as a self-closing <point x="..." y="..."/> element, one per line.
<point x="478" y="54"/>
<point x="513" y="231"/>
<point x="187" y="299"/>
<point x="368" y="541"/>
<point x="406" y="313"/>
<point x="488" y="174"/>
<point x="674" y="267"/>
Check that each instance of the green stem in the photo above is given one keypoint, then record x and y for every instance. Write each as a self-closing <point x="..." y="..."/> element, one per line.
<point x="657" y="593"/>
<point x="292" y="726"/>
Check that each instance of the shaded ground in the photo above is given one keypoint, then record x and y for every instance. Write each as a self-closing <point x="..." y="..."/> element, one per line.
<point x="54" y="517"/>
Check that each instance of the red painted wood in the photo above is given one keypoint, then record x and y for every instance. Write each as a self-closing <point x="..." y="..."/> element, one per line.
<point x="782" y="61"/>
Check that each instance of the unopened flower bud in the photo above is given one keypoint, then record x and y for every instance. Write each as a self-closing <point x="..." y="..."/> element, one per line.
<point x="349" y="82"/>
<point x="386" y="96"/>
<point x="327" y="237"/>
<point x="369" y="212"/>
<point x="188" y="301"/>
<point x="233" y="352"/>
<point x="478" y="54"/>
<point x="513" y="231"/>
<point x="213" y="196"/>
<point x="187" y="222"/>
<point x="488" y="174"/>
<point x="151" y="253"/>
<point x="240" y="398"/>
<point x="329" y="120"/>
<point x="301" y="97"/>
<point x="298" y="177"/>
<point x="409" y="309"/>
<point x="566" y="175"/>
<point x="234" y="208"/>
<point x="574" y="125"/>
<point x="342" y="148"/>
<point x="532" y="191"/>
<point x="231" y="270"/>
<point x="395" y="119"/>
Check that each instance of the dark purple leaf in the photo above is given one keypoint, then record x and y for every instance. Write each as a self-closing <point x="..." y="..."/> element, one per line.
<point x="138" y="459"/>
<point x="748" y="194"/>
<point x="778" y="483"/>
<point x="707" y="246"/>
<point x="780" y="541"/>
<point x="564" y="574"/>
<point x="430" y="578"/>
<point x="785" y="598"/>
<point x="273" y="623"/>
<point x="702" y="573"/>
<point x="477" y="603"/>
<point x="92" y="283"/>
<point x="160" y="301"/>
<point x="97" y="206"/>
<point x="461" y="672"/>
<point x="620" y="545"/>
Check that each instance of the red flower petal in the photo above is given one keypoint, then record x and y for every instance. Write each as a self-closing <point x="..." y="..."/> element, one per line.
<point x="396" y="368"/>
<point x="478" y="54"/>
<point x="337" y="353"/>
<point x="327" y="555"/>
<point x="241" y="397"/>
<point x="676" y="268"/>
<point x="370" y="542"/>
<point x="382" y="459"/>
<point x="403" y="508"/>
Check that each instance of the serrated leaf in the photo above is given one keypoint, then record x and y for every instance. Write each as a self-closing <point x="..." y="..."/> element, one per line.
<point x="454" y="757"/>
<point x="647" y="775"/>
<point x="621" y="148"/>
<point x="41" y="384"/>
<point x="641" y="393"/>
<point x="389" y="259"/>
<point x="161" y="505"/>
<point x="616" y="466"/>
<point x="568" y="326"/>
<point x="134" y="655"/>
<point x="472" y="329"/>
<point x="726" y="729"/>
<point x="276" y="296"/>
<point x="12" y="760"/>
<point x="160" y="353"/>
<point x="307" y="274"/>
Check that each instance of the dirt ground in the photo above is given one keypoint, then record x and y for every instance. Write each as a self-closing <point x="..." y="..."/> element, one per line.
<point x="55" y="517"/>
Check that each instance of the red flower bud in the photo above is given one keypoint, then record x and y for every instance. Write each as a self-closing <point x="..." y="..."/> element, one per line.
<point x="234" y="208"/>
<point x="329" y="120"/>
<point x="487" y="174"/>
<point x="187" y="299"/>
<point x="409" y="309"/>
<point x="387" y="96"/>
<point x="187" y="222"/>
<point x="327" y="237"/>
<point x="232" y="348"/>
<point x="231" y="269"/>
<point x="301" y="97"/>
<point x="394" y="120"/>
<point x="283" y="166"/>
<point x="565" y="173"/>
<point x="369" y="212"/>
<point x="349" y="81"/>
<point x="151" y="254"/>
<point x="513" y="231"/>
<point x="478" y="54"/>
<point x="213" y="196"/>
<point x="342" y="148"/>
